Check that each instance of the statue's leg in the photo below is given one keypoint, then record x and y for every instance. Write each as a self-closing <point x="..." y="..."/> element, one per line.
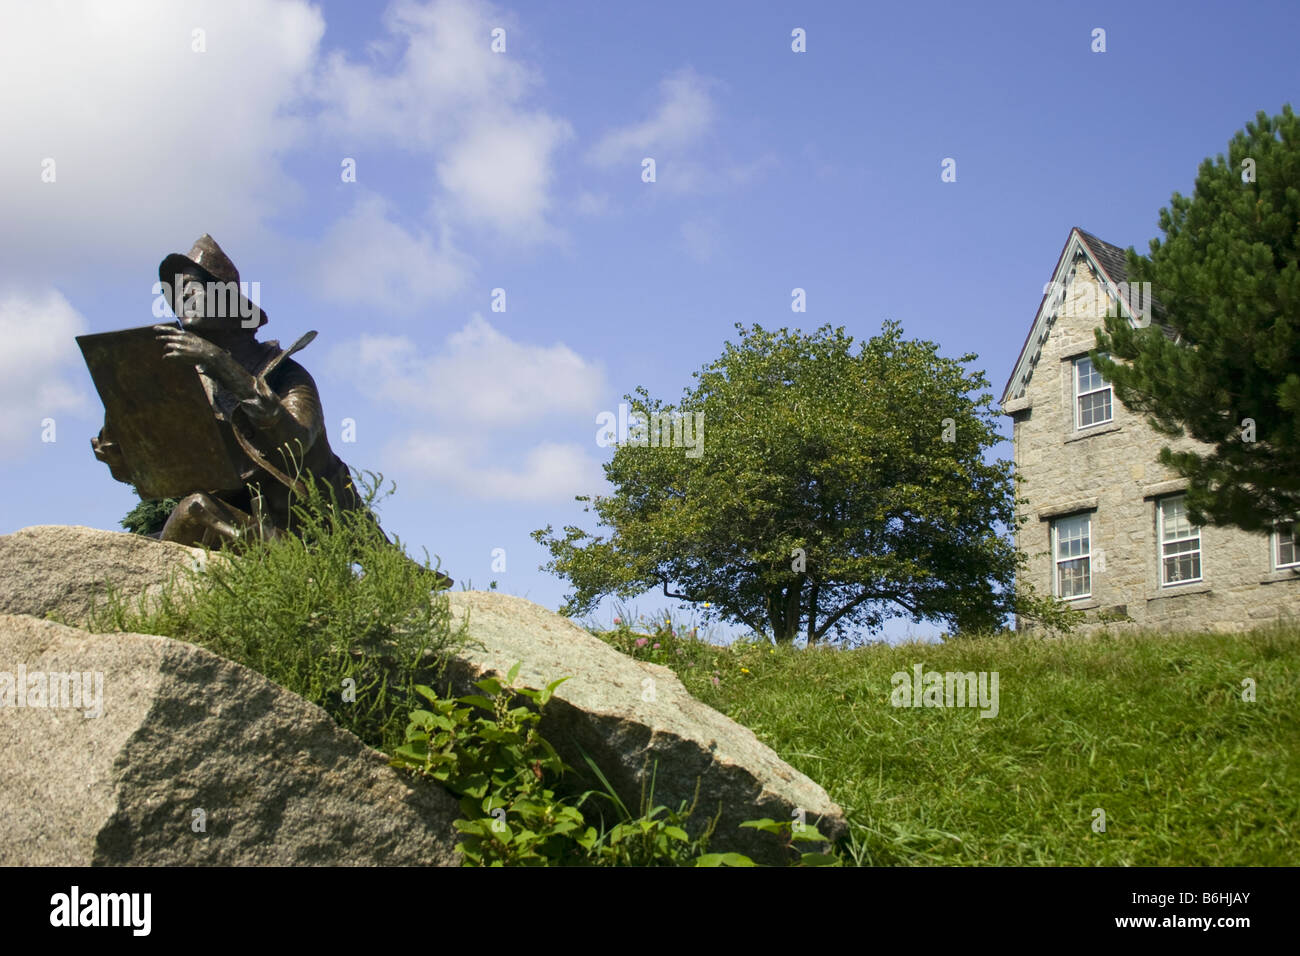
<point x="202" y="520"/>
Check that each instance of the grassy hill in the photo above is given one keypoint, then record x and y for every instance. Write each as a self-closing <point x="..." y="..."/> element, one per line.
<point x="1150" y="728"/>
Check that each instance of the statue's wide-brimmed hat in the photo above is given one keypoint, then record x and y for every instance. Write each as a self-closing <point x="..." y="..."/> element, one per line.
<point x="208" y="262"/>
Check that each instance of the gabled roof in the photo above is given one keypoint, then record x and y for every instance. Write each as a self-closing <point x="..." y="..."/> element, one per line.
<point x="1110" y="264"/>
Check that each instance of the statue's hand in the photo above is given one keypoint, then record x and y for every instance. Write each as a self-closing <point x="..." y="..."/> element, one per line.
<point x="110" y="453"/>
<point x="184" y="346"/>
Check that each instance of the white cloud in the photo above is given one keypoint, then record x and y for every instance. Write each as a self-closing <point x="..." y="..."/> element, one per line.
<point x="472" y="405"/>
<point x="480" y="378"/>
<point x="500" y="173"/>
<point x="38" y="334"/>
<point x="549" y="471"/>
<point x="433" y="73"/>
<point x="433" y="86"/>
<point x="154" y="143"/>
<point x="685" y="112"/>
<point x="150" y="139"/>
<point x="365" y="258"/>
<point x="692" y="175"/>
<point x="680" y="128"/>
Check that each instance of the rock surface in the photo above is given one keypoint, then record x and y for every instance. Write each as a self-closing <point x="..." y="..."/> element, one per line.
<point x="627" y="714"/>
<point x="280" y="782"/>
<point x="182" y="730"/>
<point x="64" y="568"/>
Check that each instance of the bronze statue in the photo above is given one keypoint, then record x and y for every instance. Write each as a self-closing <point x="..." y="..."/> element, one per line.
<point x="239" y="477"/>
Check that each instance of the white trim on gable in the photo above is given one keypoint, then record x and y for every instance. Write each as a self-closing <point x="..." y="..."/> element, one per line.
<point x="1076" y="250"/>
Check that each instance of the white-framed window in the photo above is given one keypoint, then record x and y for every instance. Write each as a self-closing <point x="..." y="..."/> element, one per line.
<point x="1092" y="398"/>
<point x="1072" y="546"/>
<point x="1180" y="543"/>
<point x="1286" y="545"/>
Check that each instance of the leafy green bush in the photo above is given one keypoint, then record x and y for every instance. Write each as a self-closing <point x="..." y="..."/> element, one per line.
<point x="657" y="837"/>
<point x="507" y="777"/>
<point x="149" y="515"/>
<point x="336" y="614"/>
<point x="498" y="766"/>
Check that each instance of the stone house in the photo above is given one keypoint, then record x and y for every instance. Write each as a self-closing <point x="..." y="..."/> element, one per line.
<point x="1108" y="531"/>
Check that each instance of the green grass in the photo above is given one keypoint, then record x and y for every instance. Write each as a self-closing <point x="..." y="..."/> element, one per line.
<point x="1150" y="728"/>
<point x="337" y="615"/>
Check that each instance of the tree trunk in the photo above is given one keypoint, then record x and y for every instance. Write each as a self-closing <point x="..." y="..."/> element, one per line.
<point x="812" y="614"/>
<point x="784" y="612"/>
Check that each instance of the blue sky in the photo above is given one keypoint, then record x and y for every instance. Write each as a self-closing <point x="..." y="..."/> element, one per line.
<point x="521" y="170"/>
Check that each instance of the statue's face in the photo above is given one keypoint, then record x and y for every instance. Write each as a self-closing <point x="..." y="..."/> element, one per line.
<point x="193" y="307"/>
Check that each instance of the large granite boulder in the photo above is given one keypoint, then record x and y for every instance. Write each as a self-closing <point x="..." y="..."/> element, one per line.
<point x="192" y="759"/>
<point x="63" y="569"/>
<point x="629" y="715"/>
<point x="635" y="719"/>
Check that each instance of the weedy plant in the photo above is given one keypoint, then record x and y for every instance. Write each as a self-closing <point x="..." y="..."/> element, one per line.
<point x="486" y="749"/>
<point x="499" y="766"/>
<point x="657" y="837"/>
<point x="336" y="613"/>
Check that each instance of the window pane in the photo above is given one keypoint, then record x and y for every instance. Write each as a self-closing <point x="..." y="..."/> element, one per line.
<point x="1073" y="567"/>
<point x="1180" y="543"/>
<point x="1072" y="537"/>
<point x="1089" y="377"/>
<point x="1174" y="520"/>
<point x="1287" y="545"/>
<point x="1183" y="568"/>
<point x="1094" y="408"/>
<point x="1074" y="578"/>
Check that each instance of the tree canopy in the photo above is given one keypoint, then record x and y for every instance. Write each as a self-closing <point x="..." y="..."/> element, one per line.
<point x="833" y="488"/>
<point x="1221" y="361"/>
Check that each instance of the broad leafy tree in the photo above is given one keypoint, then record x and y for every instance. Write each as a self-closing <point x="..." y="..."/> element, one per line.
<point x="1221" y="361"/>
<point x="835" y="487"/>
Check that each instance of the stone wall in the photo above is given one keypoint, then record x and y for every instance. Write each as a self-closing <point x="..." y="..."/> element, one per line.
<point x="1111" y="472"/>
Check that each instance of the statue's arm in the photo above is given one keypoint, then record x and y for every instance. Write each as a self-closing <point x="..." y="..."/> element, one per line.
<point x="289" y="414"/>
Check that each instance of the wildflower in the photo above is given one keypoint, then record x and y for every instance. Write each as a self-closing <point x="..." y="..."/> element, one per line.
<point x="618" y="621"/>
<point x="715" y="682"/>
<point x="744" y="670"/>
<point x="642" y="641"/>
<point x="707" y="604"/>
<point x="656" y="647"/>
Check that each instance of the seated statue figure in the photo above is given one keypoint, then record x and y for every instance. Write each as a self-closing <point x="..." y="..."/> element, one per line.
<point x="268" y="402"/>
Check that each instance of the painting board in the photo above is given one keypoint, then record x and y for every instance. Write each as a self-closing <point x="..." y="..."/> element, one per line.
<point x="160" y="416"/>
